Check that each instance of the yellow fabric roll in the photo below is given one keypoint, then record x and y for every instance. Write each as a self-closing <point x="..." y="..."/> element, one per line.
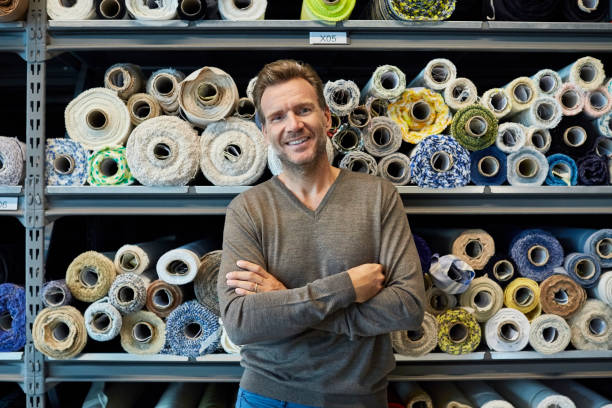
<point x="59" y="332"/>
<point x="522" y="294"/>
<point x="90" y="276"/>
<point x="143" y="333"/>
<point x="535" y="312"/>
<point x="458" y="332"/>
<point x="327" y="10"/>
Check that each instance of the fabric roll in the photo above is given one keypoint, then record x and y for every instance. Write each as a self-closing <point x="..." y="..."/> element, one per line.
<point x="163" y="85"/>
<point x="180" y="266"/>
<point x="522" y="294"/>
<point x="460" y="93"/>
<point x="536" y="253"/>
<point x="140" y="257"/>
<point x="109" y="167"/>
<point x="192" y="10"/>
<point x="603" y="147"/>
<point x="511" y="137"/>
<point x="507" y="330"/>
<point x="226" y="343"/>
<point x="118" y="394"/>
<point x="562" y="170"/>
<point x="579" y="394"/>
<point x="128" y="293"/>
<point x="488" y="167"/>
<point x="603" y="289"/>
<point x="520" y="10"/>
<point x="573" y="137"/>
<point x="348" y="139"/>
<point x="597" y="103"/>
<point x="251" y="88"/>
<point x="527" y="166"/>
<point x="591" y="326"/>
<point x="12" y="317"/>
<point x="475" y="247"/>
<point x="193" y="330"/>
<point x="417" y="342"/>
<point x="163" y="298"/>
<point x="342" y="96"/>
<point x="412" y="395"/>
<point x="545" y="112"/>
<point x="152" y="11"/>
<point x="531" y="394"/>
<point x="583" y="268"/>
<point x="12" y="161"/>
<point x="571" y="98"/>
<point x="276" y="166"/>
<point x="522" y="92"/>
<point x="549" y="334"/>
<point x="163" y="151"/>
<point x="583" y="11"/>
<point x="440" y="162"/>
<point x="205" y="282"/>
<point x="498" y="101"/>
<point x="484" y="297"/>
<point x="245" y="11"/>
<point x="474" y="127"/>
<point x="55" y="293"/>
<point x="124" y="79"/>
<point x="59" y="332"/>
<point x="437" y="75"/>
<point x="90" y="275"/>
<point x="360" y="162"/>
<point x="13" y="10"/>
<point x="538" y="138"/>
<point x="180" y="394"/>
<point x="327" y="10"/>
<point x="501" y="269"/>
<point x="359" y="117"/>
<point x="217" y="395"/>
<point x="604" y="125"/>
<point x="561" y="295"/>
<point x="483" y="395"/>
<point x="593" y="170"/>
<point x="591" y="241"/>
<point x="587" y="72"/>
<point x="450" y="273"/>
<point x="142" y="333"/>
<point x="420" y="112"/>
<point x="80" y="10"/>
<point x="245" y="109"/>
<point x="141" y="107"/>
<point x="410" y="11"/>
<point x="65" y="163"/>
<point x="386" y="83"/>
<point x="232" y="152"/>
<point x="548" y="82"/>
<point x="537" y="312"/>
<point x="424" y="252"/>
<point x="438" y="301"/>
<point x="102" y="320"/>
<point x="97" y="118"/>
<point x="376" y="106"/>
<point x="395" y="168"/>
<point x="458" y="332"/>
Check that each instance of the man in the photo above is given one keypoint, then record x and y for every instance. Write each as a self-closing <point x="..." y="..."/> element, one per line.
<point x="318" y="263"/>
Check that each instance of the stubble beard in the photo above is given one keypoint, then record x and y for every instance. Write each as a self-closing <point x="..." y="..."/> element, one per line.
<point x="320" y="154"/>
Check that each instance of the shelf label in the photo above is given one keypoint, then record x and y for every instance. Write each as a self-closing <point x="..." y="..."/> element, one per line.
<point x="328" y="37"/>
<point x="8" y="203"/>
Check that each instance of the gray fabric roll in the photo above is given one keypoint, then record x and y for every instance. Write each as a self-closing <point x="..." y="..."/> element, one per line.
<point x="591" y="326"/>
<point x="581" y="395"/>
<point x="549" y="334"/>
<point x="12" y="161"/>
<point x="163" y="85"/>
<point x="382" y="137"/>
<point x="128" y="293"/>
<point x="483" y="396"/>
<point x="387" y="82"/>
<point x="342" y="96"/>
<point x="395" y="168"/>
<point x="460" y="93"/>
<point x="360" y="162"/>
<point x="531" y="394"/>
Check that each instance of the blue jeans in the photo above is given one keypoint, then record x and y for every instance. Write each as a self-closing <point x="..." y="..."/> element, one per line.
<point x="248" y="399"/>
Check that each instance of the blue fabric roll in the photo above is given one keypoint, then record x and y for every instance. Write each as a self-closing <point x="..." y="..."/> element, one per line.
<point x="583" y="268"/>
<point x="527" y="167"/>
<point x="450" y="273"/>
<point x="597" y="243"/>
<point x="557" y="174"/>
<point x="13" y="303"/>
<point x="528" y="245"/>
<point x="192" y="330"/>
<point x="439" y="161"/>
<point x="56" y="293"/>
<point x="481" y="172"/>
<point x="65" y="163"/>
<point x="593" y="170"/>
<point x="424" y="252"/>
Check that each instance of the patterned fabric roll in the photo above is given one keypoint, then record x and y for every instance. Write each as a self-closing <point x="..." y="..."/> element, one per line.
<point x="459" y="332"/>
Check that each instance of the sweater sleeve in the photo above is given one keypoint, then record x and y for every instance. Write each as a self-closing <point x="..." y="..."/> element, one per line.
<point x="271" y="315"/>
<point x="400" y="304"/>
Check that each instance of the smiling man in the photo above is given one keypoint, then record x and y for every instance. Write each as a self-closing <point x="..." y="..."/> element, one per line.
<point x="319" y="264"/>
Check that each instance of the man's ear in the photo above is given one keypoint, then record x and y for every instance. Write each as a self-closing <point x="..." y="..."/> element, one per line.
<point x="328" y="122"/>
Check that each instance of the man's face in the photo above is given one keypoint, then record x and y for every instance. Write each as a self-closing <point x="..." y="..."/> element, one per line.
<point x="295" y="125"/>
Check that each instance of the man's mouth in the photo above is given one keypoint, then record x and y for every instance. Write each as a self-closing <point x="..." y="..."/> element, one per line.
<point x="297" y="142"/>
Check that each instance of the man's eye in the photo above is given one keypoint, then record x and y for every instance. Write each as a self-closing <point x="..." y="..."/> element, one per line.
<point x="276" y="118"/>
<point x="305" y="110"/>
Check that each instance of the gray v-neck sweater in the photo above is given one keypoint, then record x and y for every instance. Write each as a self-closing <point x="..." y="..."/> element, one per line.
<point x="312" y="344"/>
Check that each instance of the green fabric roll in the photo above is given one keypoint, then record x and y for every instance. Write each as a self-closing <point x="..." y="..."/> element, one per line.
<point x="474" y="127"/>
<point x="327" y="10"/>
<point x="108" y="167"/>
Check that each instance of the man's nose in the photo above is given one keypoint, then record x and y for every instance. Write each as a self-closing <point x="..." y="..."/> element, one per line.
<point x="294" y="122"/>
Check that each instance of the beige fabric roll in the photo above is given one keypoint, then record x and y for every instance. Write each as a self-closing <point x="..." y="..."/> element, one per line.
<point x="142" y="106"/>
<point x="591" y="326"/>
<point x="412" y="395"/>
<point x="125" y="79"/>
<point x="475" y="247"/>
<point x="484" y="296"/>
<point x="143" y="333"/>
<point x="12" y="10"/>
<point x="59" y="332"/>
<point x="446" y="395"/>
<point x="523" y="92"/>
<point x="417" y="342"/>
<point x="205" y="282"/>
<point x="561" y="295"/>
<point x="90" y="275"/>
<point x="437" y="301"/>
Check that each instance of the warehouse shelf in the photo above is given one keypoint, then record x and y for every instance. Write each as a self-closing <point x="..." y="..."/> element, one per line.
<point x="11" y="367"/>
<point x="12" y="37"/>
<point x="10" y="193"/>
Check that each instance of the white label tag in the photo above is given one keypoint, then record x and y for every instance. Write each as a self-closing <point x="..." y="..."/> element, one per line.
<point x="8" y="203"/>
<point x="331" y="37"/>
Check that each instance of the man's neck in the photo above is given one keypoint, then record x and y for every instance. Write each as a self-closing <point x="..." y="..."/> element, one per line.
<point x="310" y="185"/>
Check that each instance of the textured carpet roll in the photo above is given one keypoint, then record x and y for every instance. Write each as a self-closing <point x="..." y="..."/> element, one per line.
<point x="12" y="317"/>
<point x="420" y="112"/>
<point x="395" y="168"/>
<point x="545" y="112"/>
<point x="587" y="72"/>
<point x="13" y="10"/>
<point x="475" y="247"/>
<point x="484" y="296"/>
<point x="562" y="170"/>
<point x="593" y="170"/>
<point x="527" y="166"/>
<point x="192" y="10"/>
<point x="55" y="293"/>
<point x="59" y="332"/>
<point x="458" y="332"/>
<point x="583" y="268"/>
<point x="163" y="151"/>
<point x="342" y="96"/>
<point x="193" y="330"/>
<point x="538" y="138"/>
<point x="359" y="162"/>
<point x="205" y="282"/>
<point x="138" y="258"/>
<point x="536" y="253"/>
<point x="603" y="289"/>
<point x="154" y="10"/>
<point x="440" y="162"/>
<point x="549" y="334"/>
<point x="180" y="395"/>
<point x="507" y="330"/>
<point x="483" y="395"/>
<point x="180" y="266"/>
<point x="460" y="93"/>
<point x="80" y="10"/>
<point x="143" y="106"/>
<point x="232" y="152"/>
<point x="437" y="75"/>
<point x="450" y="273"/>
<point x="143" y="333"/>
<point x="522" y="294"/>
<point x="382" y="137"/>
<point x="437" y="301"/>
<point x="412" y="395"/>
<point x="124" y="79"/>
<point x="102" y="320"/>
<point x="498" y="101"/>
<point x="128" y="293"/>
<point x="12" y="161"/>
<point x="97" y="118"/>
<point x="488" y="167"/>
<point x="522" y="92"/>
<point x="387" y="83"/>
<point x="511" y="137"/>
<point x="65" y="163"/>
<point x="597" y="103"/>
<point x="410" y="11"/>
<point x="532" y="394"/>
<point x="163" y="298"/>
<point x="592" y="326"/>
<point x="109" y="167"/>
<point x="276" y="166"/>
<point x="242" y="11"/>
<point x="547" y="81"/>
<point x="579" y="394"/>
<point x="561" y="295"/>
<point x="163" y="85"/>
<point x="417" y="342"/>
<point x="327" y="10"/>
<point x="474" y="127"/>
<point x="90" y="275"/>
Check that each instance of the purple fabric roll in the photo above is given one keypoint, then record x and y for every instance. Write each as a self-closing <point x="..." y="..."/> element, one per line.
<point x="593" y="170"/>
<point x="424" y="252"/>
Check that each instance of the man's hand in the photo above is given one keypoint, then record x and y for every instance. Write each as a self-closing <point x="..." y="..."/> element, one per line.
<point x="252" y="279"/>
<point x="367" y="280"/>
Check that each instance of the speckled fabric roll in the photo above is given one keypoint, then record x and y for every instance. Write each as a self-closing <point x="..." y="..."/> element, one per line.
<point x="59" y="332"/>
<point x="143" y="333"/>
<point x="128" y="293"/>
<point x="205" y="282"/>
<point x="102" y="320"/>
<point x="55" y="293"/>
<point x="417" y="342"/>
<point x="342" y="96"/>
<point x="592" y="326"/>
<point x="458" y="332"/>
<point x="474" y="127"/>
<point x="382" y="137"/>
<point x="360" y="162"/>
<point x="193" y="330"/>
<point x="549" y="334"/>
<point x="440" y="162"/>
<point x="90" y="275"/>
<point x="507" y="330"/>
<point x="65" y="163"/>
<point x="395" y="168"/>
<point x="561" y="295"/>
<point x="125" y="79"/>
<point x="163" y="298"/>
<point x="12" y="317"/>
<point x="12" y="161"/>
<point x="484" y="297"/>
<point x="109" y="167"/>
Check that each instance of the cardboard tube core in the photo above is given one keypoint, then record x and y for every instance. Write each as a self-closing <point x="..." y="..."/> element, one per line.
<point x="60" y="331"/>
<point x="458" y="332"/>
<point x="488" y="166"/>
<point x="508" y="332"/>
<point x="142" y="332"/>
<point x="538" y="255"/>
<point x="96" y="119"/>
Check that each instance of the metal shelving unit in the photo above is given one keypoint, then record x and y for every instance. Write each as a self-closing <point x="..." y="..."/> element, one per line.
<point x="12" y="37"/>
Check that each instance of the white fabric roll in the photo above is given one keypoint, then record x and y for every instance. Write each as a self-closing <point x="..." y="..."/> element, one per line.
<point x="81" y="10"/>
<point x="510" y="137"/>
<point x="387" y="82"/>
<point x="228" y="345"/>
<point x="143" y="10"/>
<point x="102" y="320"/>
<point x="97" y="118"/>
<point x="138" y="258"/>
<point x="538" y="138"/>
<point x="603" y="289"/>
<point x="592" y="326"/>
<point x="180" y="266"/>
<point x="276" y="166"/>
<point x="549" y="334"/>
<point x="507" y="330"/>
<point x="342" y="96"/>
<point x="522" y="92"/>
<point x="163" y="85"/>
<point x="254" y="10"/>
<point x="587" y="72"/>
<point x="497" y="101"/>
<point x="545" y="112"/>
<point x="437" y="75"/>
<point x="251" y="88"/>
<point x="547" y="81"/>
<point x="460" y="93"/>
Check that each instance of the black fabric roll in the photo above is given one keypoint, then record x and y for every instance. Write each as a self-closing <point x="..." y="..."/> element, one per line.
<point x="572" y="11"/>
<point x="192" y="9"/>
<point x="520" y="10"/>
<point x="468" y="10"/>
<point x="558" y="135"/>
<point x="110" y="9"/>
<point x="501" y="268"/>
<point x="593" y="170"/>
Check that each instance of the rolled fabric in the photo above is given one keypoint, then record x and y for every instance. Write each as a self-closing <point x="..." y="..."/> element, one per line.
<point x="124" y="79"/>
<point x="604" y="125"/>
<point x="232" y="152"/>
<point x="13" y="10"/>
<point x="163" y="151"/>
<point x="55" y="293"/>
<point x="359" y="117"/>
<point x="360" y="162"/>
<point x="484" y="296"/>
<point x="498" y="101"/>
<point x="520" y="10"/>
<point x="603" y="289"/>
<point x="522" y="92"/>
<point x="376" y="106"/>
<point x="217" y="395"/>
<point x="561" y="295"/>
<point x="536" y="312"/>
<point x="591" y="326"/>
<point x="387" y="83"/>
<point x="251" y="88"/>
<point x="180" y="266"/>
<point x="536" y="253"/>
<point x="501" y="269"/>
<point x="97" y="118"/>
<point x="138" y="258"/>
<point x="511" y="137"/>
<point x="128" y="293"/>
<point x="12" y="317"/>
<point x="193" y="330"/>
<point x="507" y="330"/>
<point x="245" y="109"/>
<point x="522" y="294"/>
<point x="571" y="98"/>
<point x="488" y="167"/>
<point x="549" y="334"/>
<point x="205" y="282"/>
<point x="420" y="112"/>
<point x="65" y="163"/>
<point x="276" y="166"/>
<point x="163" y="298"/>
<point x="437" y="75"/>
<point x="531" y="394"/>
<point x="80" y="10"/>
<point x="59" y="332"/>
<point x="475" y="247"/>
<point x="572" y="137"/>
<point x="458" y="332"/>
<point x="438" y="301"/>
<point x="585" y="11"/>
<point x="538" y="138"/>
<point x="412" y="395"/>
<point x="547" y="81"/>
<point x="110" y="9"/>
<point x="591" y="241"/>
<point x="417" y="342"/>
<point x="562" y="170"/>
<point x="587" y="72"/>
<point x="342" y="96"/>
<point x="163" y="85"/>
<point x="409" y="11"/>
<point x="527" y="166"/>
<point x="102" y="320"/>
<point x="474" y="127"/>
<point x="583" y="268"/>
<point x="192" y="9"/>
<point x="424" y="252"/>
<point x="90" y="275"/>
<point x="483" y="395"/>
<point x="142" y="106"/>
<point x="545" y="112"/>
<point x="593" y="170"/>
<point x="327" y="10"/>
<point x="603" y="147"/>
<point x="579" y="394"/>
<point x="153" y="10"/>
<point x="597" y="103"/>
<point x="440" y="162"/>
<point x="348" y="139"/>
<point x="226" y="343"/>
<point x="180" y="395"/>
<point x="12" y="161"/>
<point x="242" y="11"/>
<point x="143" y="333"/>
<point x="450" y="273"/>
<point x="460" y="93"/>
<point x="395" y="168"/>
<point x="109" y="167"/>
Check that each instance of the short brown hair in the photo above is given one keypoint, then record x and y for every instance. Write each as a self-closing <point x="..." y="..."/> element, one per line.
<point x="282" y="71"/>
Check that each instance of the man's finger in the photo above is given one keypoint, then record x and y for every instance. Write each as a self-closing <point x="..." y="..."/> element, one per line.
<point x="250" y="286"/>
<point x="240" y="291"/>
<point x="250" y="266"/>
<point x="245" y="276"/>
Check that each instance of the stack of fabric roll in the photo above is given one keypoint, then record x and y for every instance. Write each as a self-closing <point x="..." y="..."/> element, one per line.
<point x="543" y="288"/>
